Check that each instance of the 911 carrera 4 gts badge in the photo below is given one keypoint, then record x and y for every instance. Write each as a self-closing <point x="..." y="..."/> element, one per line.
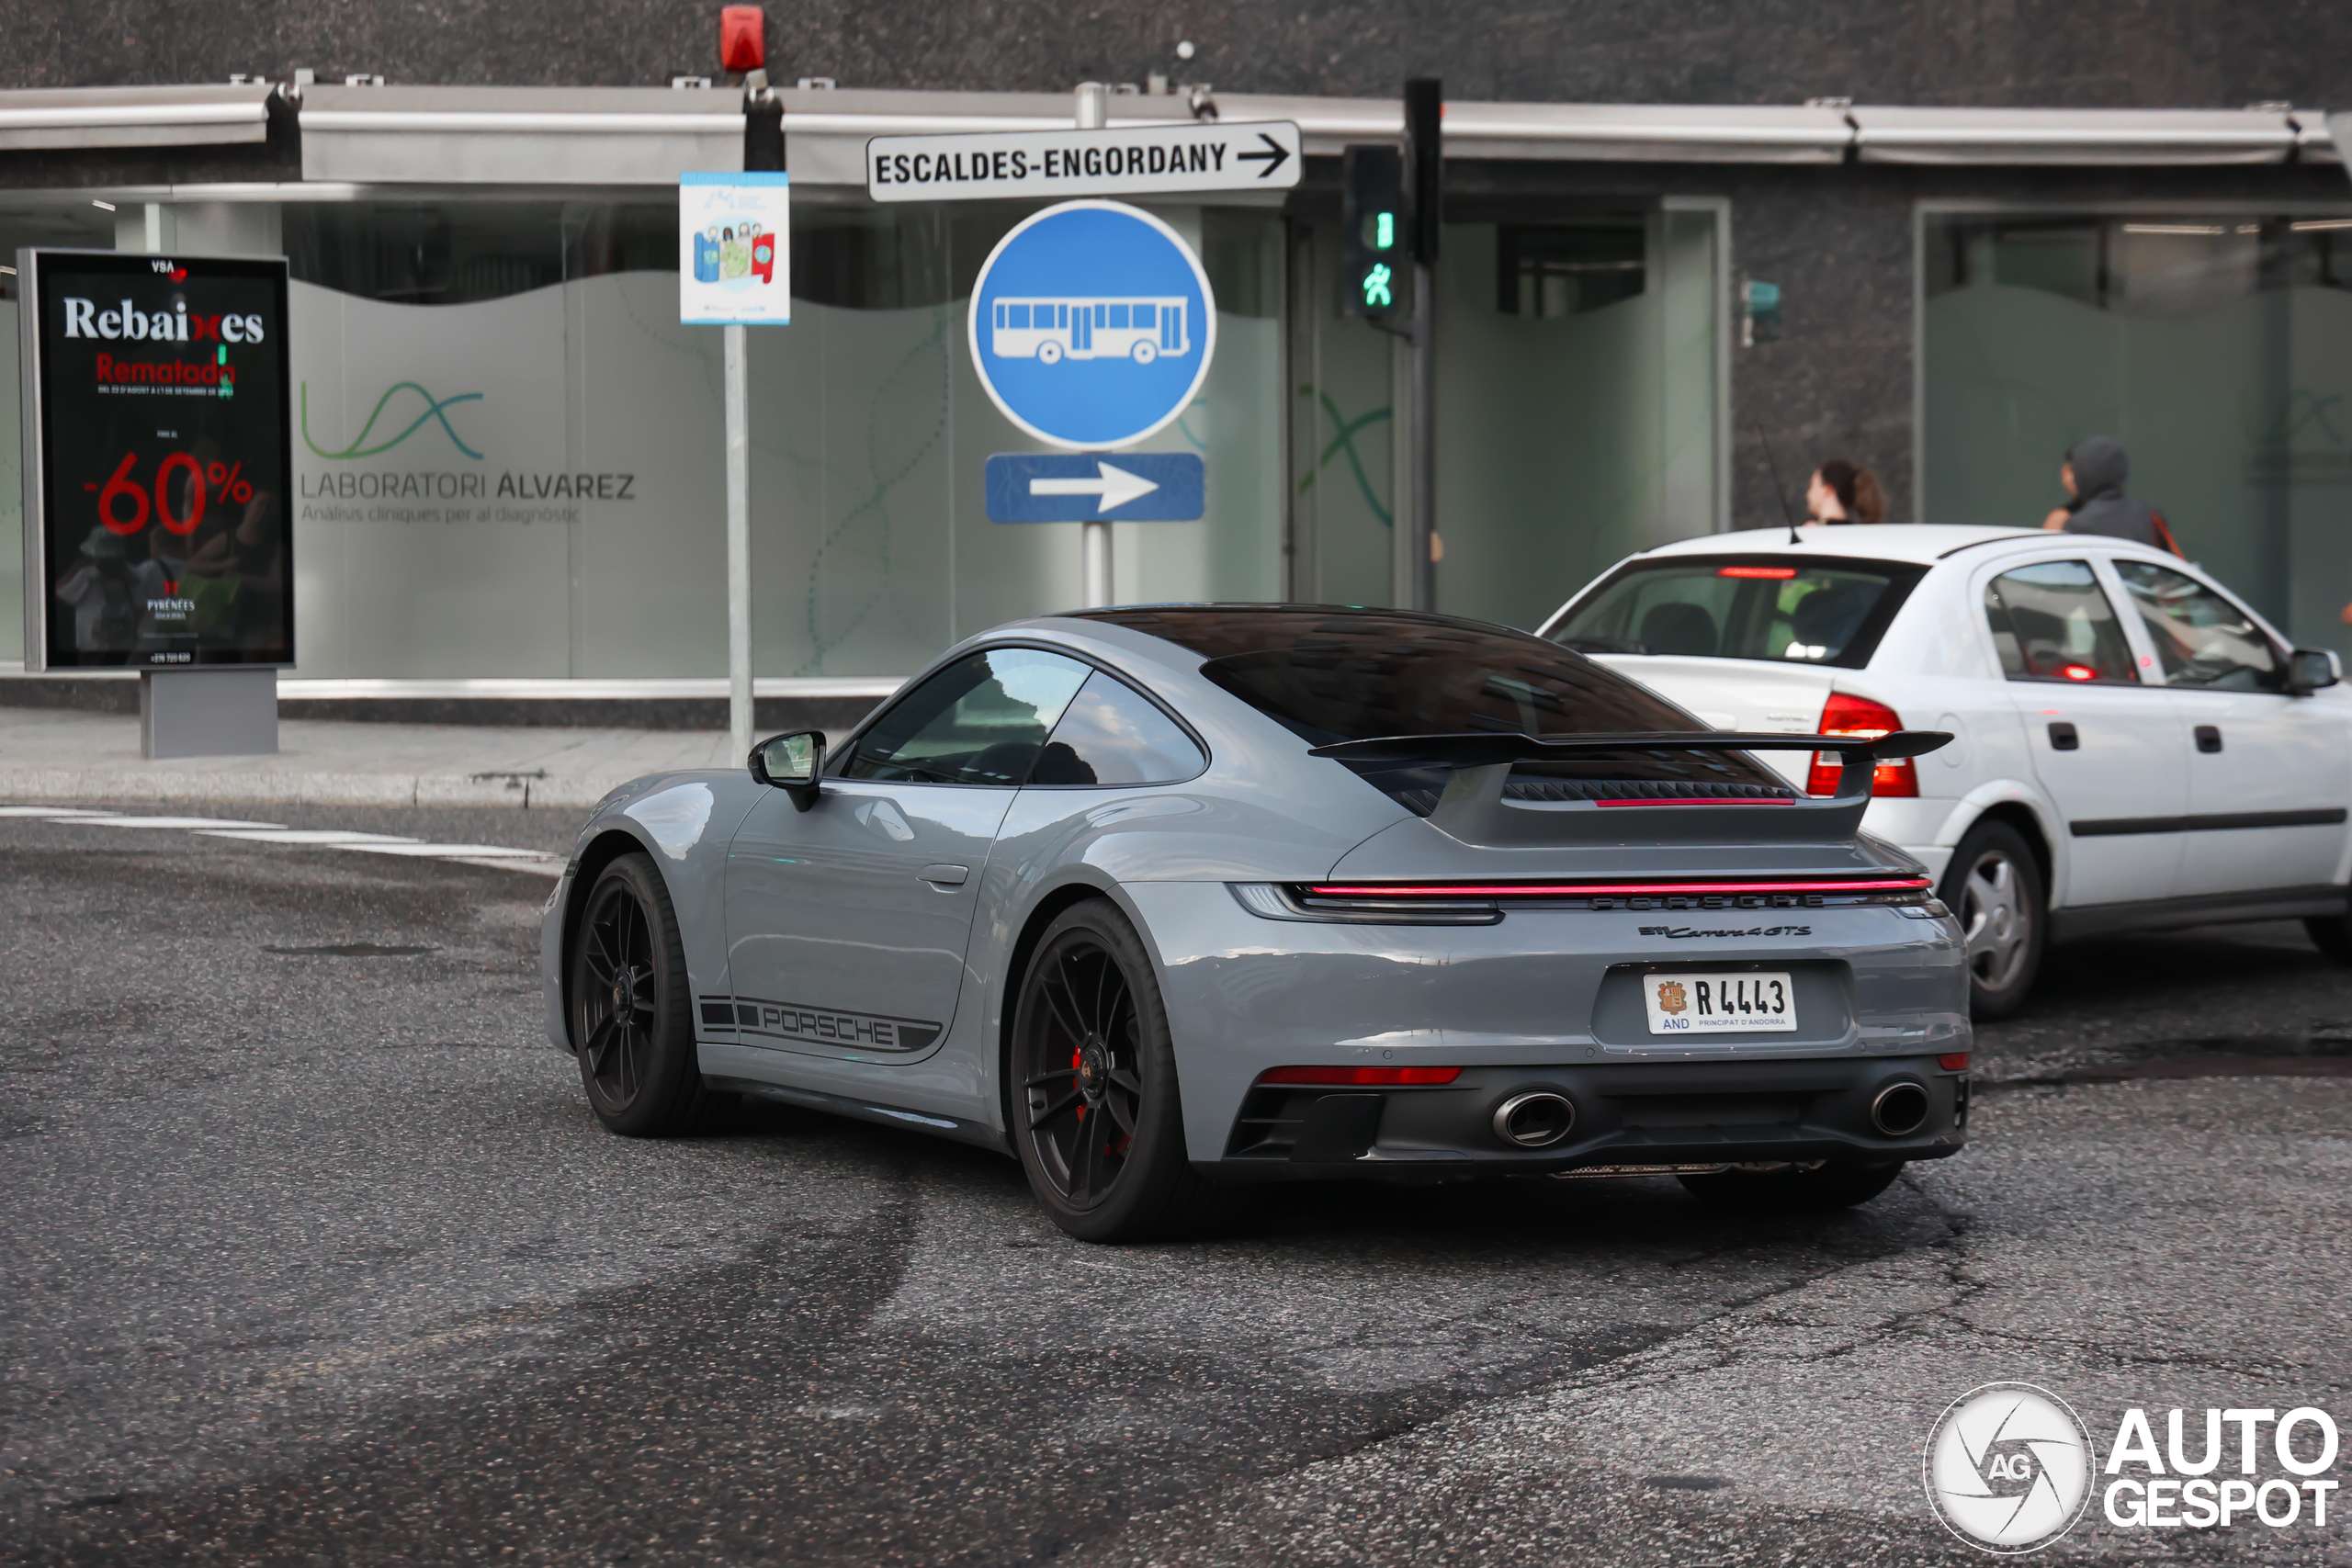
<point x="758" y="1022"/>
<point x="1676" y="933"/>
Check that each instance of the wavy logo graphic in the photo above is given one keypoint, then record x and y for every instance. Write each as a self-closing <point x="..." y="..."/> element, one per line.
<point x="435" y="408"/>
<point x="1344" y="441"/>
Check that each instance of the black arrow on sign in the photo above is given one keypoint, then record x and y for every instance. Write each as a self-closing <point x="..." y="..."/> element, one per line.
<point x="1273" y="157"/>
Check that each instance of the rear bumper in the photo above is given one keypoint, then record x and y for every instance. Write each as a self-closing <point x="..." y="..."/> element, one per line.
<point x="1530" y="994"/>
<point x="1662" y="1114"/>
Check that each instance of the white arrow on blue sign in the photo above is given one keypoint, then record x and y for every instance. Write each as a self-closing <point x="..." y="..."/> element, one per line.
<point x="1084" y="487"/>
<point x="1093" y="324"/>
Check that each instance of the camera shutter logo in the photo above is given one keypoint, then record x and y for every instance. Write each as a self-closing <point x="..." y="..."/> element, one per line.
<point x="2008" y="1468"/>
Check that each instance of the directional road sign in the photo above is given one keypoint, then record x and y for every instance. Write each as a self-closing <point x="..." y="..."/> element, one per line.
<point x="1080" y="486"/>
<point x="1093" y="324"/>
<point x="1048" y="166"/>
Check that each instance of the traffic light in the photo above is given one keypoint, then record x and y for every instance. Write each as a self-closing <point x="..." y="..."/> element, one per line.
<point x="1374" y="232"/>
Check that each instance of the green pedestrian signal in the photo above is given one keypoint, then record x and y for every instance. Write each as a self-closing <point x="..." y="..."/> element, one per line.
<point x="1372" y="227"/>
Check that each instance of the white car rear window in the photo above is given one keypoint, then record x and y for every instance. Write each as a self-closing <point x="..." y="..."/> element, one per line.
<point x="1818" y="611"/>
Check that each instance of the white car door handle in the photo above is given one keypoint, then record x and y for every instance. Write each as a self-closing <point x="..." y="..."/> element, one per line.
<point x="945" y="876"/>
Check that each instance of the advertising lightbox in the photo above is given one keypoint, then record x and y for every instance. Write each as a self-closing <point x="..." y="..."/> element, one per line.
<point x="157" y="460"/>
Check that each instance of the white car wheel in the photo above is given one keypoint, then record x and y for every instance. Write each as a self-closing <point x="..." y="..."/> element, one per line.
<point x="1993" y="888"/>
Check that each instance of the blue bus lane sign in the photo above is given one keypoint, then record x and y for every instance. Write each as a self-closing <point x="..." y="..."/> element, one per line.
<point x="1092" y="327"/>
<point x="1084" y="487"/>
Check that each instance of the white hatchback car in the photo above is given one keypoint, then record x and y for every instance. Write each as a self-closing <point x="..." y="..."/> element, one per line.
<point x="2133" y="748"/>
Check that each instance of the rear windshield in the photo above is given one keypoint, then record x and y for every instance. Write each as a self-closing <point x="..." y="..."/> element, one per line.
<point x="1331" y="674"/>
<point x="1814" y="611"/>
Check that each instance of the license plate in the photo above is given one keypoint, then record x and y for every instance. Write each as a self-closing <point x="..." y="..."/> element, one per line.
<point x="1720" y="1004"/>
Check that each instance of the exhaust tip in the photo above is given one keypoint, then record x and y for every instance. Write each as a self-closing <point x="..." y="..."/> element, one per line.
<point x="1900" y="1109"/>
<point x="1534" y="1121"/>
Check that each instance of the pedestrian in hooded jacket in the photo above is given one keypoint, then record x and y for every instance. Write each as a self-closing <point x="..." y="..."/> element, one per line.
<point x="2094" y="473"/>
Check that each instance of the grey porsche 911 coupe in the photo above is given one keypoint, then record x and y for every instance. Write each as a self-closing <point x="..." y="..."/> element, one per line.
<point x="1165" y="900"/>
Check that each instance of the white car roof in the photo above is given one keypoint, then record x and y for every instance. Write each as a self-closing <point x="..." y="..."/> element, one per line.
<point x="1921" y="544"/>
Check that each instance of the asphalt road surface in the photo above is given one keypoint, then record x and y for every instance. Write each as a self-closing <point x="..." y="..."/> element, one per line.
<point x="317" y="1257"/>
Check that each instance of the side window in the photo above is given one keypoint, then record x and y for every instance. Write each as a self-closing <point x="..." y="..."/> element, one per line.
<point x="1111" y="735"/>
<point x="982" y="720"/>
<point x="2051" y="622"/>
<point x="2201" y="638"/>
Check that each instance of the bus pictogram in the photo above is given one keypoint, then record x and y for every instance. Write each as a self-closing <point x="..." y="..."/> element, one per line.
<point x="1142" y="329"/>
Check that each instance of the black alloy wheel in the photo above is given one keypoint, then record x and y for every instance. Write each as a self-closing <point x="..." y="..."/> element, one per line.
<point x="631" y="1026"/>
<point x="1096" y="1116"/>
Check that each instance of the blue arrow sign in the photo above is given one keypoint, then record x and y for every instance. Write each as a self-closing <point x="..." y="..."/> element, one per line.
<point x="1082" y="487"/>
<point x="1093" y="324"/>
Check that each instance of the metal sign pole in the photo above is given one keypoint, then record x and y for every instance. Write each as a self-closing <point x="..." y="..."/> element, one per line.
<point x="735" y="272"/>
<point x="1424" y="110"/>
<point x="1094" y="535"/>
<point x="739" y="544"/>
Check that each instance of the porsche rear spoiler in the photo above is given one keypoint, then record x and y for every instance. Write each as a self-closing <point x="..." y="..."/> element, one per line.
<point x="1473" y="808"/>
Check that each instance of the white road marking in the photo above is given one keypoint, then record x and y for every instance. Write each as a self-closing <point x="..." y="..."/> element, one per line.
<point x="550" y="866"/>
<point x="180" y="822"/>
<point x="498" y="856"/>
<point x="302" y="835"/>
<point x="477" y="852"/>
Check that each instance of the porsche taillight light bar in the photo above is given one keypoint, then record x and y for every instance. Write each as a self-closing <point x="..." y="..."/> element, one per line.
<point x="1359" y="1077"/>
<point x="1617" y="889"/>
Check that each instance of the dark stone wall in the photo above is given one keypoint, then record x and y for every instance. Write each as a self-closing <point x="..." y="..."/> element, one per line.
<point x="2107" y="52"/>
<point x="1839" y="241"/>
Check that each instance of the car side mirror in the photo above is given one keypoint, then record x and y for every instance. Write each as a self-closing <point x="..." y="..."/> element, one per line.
<point x="2310" y="670"/>
<point x="792" y="764"/>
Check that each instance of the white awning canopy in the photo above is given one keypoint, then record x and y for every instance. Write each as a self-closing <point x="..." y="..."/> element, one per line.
<point x="519" y="135"/>
<point x="134" y="117"/>
<point x="1692" y="133"/>
<point x="2319" y="145"/>
<point x="1883" y="134"/>
<point x="650" y="135"/>
<point x="825" y="131"/>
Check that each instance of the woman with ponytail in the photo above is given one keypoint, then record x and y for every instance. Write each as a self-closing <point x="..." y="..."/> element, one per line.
<point x="1840" y="492"/>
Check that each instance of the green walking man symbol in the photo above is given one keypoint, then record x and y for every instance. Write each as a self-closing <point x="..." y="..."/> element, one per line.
<point x="1376" y="284"/>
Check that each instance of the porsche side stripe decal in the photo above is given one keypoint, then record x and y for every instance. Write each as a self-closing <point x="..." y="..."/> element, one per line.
<point x="754" y="1019"/>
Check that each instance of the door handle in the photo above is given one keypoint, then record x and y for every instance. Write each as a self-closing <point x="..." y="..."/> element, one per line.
<point x="945" y="876"/>
<point x="2063" y="737"/>
<point x="2209" y="737"/>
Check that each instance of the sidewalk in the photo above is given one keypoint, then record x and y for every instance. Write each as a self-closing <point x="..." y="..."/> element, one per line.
<point x="60" y="755"/>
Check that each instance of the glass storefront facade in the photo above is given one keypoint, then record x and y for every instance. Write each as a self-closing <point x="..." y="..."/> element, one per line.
<point x="1581" y="410"/>
<point x="2215" y="346"/>
<point x="508" y="452"/>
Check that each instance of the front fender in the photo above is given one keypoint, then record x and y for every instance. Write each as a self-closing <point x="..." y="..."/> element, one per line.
<point x="683" y="822"/>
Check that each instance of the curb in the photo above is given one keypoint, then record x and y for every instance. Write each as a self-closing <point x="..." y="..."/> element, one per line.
<point x="64" y="784"/>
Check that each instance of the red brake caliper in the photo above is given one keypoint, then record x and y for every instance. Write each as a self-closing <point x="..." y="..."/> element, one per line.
<point x="1073" y="1068"/>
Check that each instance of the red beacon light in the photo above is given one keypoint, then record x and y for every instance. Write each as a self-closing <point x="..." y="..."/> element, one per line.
<point x="742" y="40"/>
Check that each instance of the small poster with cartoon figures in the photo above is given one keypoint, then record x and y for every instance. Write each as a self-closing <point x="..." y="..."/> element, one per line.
<point x="734" y="231"/>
